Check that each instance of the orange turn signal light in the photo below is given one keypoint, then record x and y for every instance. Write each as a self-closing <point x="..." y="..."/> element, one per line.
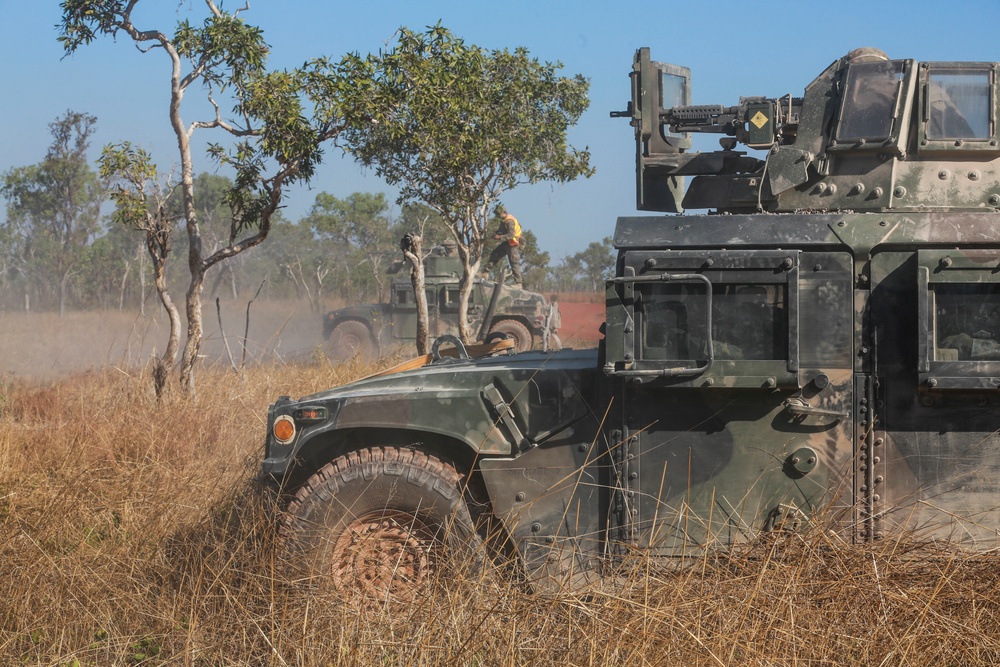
<point x="283" y="429"/>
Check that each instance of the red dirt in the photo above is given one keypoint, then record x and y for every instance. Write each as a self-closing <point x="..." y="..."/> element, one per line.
<point x="580" y="322"/>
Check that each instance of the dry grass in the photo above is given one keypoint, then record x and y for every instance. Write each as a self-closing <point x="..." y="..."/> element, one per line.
<point x="133" y="532"/>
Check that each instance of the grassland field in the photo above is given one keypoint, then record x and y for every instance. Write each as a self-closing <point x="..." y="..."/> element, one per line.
<point x="135" y="532"/>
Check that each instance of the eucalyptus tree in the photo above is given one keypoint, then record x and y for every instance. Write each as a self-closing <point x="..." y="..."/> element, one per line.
<point x="455" y="126"/>
<point x="141" y="204"/>
<point x="54" y="207"/>
<point x="281" y="119"/>
<point x="596" y="263"/>
<point x="534" y="262"/>
<point x="299" y="257"/>
<point x="358" y="229"/>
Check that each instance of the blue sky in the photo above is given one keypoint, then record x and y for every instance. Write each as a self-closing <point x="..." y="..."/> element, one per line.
<point x="756" y="47"/>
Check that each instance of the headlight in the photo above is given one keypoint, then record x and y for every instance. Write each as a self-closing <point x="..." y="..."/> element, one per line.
<point x="283" y="429"/>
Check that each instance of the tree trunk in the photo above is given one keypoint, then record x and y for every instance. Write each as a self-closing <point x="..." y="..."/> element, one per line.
<point x="410" y="245"/>
<point x="62" y="294"/>
<point x="194" y="332"/>
<point x="465" y="284"/>
<point x="219" y="277"/>
<point x="142" y="285"/>
<point x="121" y="289"/>
<point x="320" y="276"/>
<point x="196" y="264"/>
<point x="165" y="364"/>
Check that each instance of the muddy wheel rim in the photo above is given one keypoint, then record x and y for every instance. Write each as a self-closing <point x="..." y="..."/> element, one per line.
<point x="387" y="553"/>
<point x="349" y="342"/>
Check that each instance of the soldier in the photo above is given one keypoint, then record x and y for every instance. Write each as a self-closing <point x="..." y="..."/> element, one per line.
<point x="509" y="235"/>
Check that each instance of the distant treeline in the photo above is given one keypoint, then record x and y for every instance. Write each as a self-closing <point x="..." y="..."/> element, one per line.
<point x="52" y="258"/>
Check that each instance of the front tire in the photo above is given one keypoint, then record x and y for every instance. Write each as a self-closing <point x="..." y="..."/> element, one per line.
<point x="517" y="331"/>
<point x="351" y="338"/>
<point x="378" y="523"/>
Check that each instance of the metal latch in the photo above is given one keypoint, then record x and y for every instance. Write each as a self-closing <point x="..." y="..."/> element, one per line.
<point x="784" y="518"/>
<point x="503" y="413"/>
<point x="796" y="405"/>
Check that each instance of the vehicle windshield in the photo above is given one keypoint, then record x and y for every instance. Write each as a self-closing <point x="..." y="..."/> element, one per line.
<point x="870" y="98"/>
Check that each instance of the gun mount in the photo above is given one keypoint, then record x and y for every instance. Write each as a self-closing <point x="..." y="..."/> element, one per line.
<point x="869" y="134"/>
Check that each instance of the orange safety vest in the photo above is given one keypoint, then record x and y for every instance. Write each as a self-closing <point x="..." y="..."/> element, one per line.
<point x="516" y="239"/>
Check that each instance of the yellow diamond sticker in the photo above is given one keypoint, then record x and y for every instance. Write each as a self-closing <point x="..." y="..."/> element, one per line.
<point x="759" y="119"/>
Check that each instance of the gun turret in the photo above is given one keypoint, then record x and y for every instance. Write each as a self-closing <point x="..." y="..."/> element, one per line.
<point x="862" y="127"/>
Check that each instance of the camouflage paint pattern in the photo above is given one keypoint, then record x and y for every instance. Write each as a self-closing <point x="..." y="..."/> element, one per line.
<point x="824" y="346"/>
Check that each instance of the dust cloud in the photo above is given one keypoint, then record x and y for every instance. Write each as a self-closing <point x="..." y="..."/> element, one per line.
<point x="44" y="345"/>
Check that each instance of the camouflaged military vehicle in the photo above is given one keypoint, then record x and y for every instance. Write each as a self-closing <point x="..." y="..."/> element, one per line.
<point x="370" y="330"/>
<point x="824" y="341"/>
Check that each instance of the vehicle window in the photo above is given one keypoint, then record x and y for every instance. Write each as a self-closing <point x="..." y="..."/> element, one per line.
<point x="966" y="322"/>
<point x="673" y="93"/>
<point x="749" y="322"/>
<point x="870" y="96"/>
<point x="449" y="298"/>
<point x="958" y="104"/>
<point x="404" y="296"/>
<point x="826" y="320"/>
<point x="673" y="90"/>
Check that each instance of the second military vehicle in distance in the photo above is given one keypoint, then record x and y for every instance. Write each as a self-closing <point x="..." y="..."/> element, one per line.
<point x="827" y="336"/>
<point x="528" y="318"/>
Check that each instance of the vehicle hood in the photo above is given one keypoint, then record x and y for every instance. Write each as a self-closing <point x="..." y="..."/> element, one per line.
<point x="454" y="397"/>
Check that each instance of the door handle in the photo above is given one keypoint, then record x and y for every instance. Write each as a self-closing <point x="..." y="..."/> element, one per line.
<point x="796" y="405"/>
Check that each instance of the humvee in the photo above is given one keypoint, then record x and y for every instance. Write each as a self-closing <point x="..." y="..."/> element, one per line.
<point x="822" y="341"/>
<point x="528" y="318"/>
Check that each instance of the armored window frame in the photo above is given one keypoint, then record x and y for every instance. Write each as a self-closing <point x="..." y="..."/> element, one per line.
<point x="882" y="127"/>
<point x="403" y="296"/>
<point x="976" y="275"/>
<point x="655" y="189"/>
<point x="931" y="139"/>
<point x="450" y="299"/>
<point x="626" y="349"/>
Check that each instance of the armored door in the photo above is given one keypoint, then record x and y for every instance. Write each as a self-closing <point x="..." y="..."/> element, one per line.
<point x="935" y="320"/>
<point x="737" y="394"/>
<point x="404" y="311"/>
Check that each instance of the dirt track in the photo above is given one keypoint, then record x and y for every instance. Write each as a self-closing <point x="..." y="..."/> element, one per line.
<point x="43" y="345"/>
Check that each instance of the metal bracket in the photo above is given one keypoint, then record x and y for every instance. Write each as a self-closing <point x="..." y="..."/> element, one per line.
<point x="503" y="413"/>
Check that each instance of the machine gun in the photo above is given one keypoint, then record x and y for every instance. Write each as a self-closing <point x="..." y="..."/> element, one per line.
<point x="756" y="122"/>
<point x="663" y="118"/>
